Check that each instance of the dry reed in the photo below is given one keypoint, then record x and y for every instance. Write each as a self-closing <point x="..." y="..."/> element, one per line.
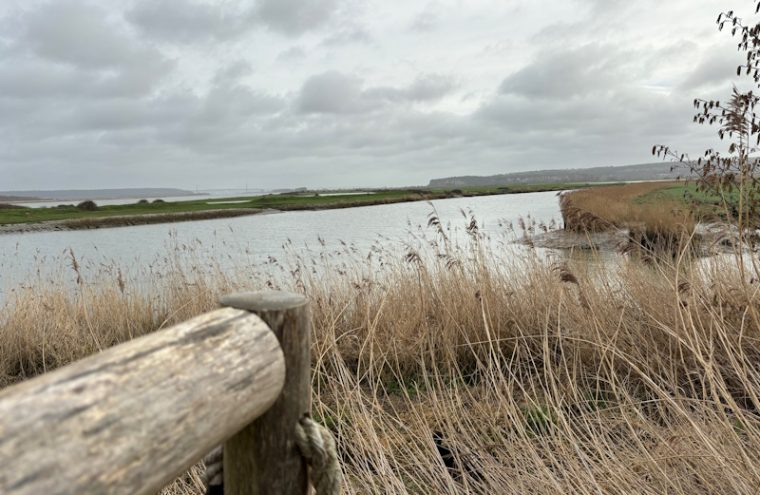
<point x="463" y="373"/>
<point x="598" y="209"/>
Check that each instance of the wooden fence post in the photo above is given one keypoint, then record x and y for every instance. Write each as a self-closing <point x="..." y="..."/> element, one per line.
<point x="263" y="458"/>
<point x="130" y="419"/>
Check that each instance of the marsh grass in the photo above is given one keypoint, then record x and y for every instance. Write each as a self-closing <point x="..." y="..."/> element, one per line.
<point x="620" y="206"/>
<point x="459" y="370"/>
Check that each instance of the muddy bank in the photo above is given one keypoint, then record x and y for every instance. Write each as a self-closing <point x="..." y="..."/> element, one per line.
<point x="566" y="239"/>
<point x="708" y="238"/>
<point x="129" y="220"/>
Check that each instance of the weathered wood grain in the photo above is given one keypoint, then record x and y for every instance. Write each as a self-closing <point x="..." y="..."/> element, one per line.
<point x="263" y="458"/>
<point x="130" y="419"/>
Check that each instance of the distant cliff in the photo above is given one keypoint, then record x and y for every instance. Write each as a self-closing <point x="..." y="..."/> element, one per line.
<point x="646" y="171"/>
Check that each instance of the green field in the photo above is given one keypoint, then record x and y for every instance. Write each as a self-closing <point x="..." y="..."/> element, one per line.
<point x="704" y="205"/>
<point x="680" y="192"/>
<point x="224" y="206"/>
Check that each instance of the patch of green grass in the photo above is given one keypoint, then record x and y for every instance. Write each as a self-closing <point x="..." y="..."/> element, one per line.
<point x="681" y="192"/>
<point x="539" y="420"/>
<point x="704" y="205"/>
<point x="409" y="388"/>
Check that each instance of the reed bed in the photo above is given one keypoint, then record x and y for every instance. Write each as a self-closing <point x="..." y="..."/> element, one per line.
<point x="603" y="208"/>
<point x="457" y="370"/>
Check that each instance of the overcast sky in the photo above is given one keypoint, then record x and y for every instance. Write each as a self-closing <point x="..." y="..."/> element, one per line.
<point x="337" y="93"/>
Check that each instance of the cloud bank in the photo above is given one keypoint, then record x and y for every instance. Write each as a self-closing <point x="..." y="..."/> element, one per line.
<point x="337" y="93"/>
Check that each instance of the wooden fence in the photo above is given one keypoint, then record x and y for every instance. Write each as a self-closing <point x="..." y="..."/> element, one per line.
<point x="132" y="418"/>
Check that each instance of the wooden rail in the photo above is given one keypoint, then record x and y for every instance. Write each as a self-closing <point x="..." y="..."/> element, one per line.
<point x="130" y="419"/>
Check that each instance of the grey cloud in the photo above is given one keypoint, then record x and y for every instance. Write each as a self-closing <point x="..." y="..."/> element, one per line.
<point x="70" y="48"/>
<point x="338" y="93"/>
<point x="568" y="73"/>
<point x="117" y="114"/>
<point x="607" y="21"/>
<point x="191" y="20"/>
<point x="219" y="111"/>
<point x="607" y="5"/>
<point x="81" y="34"/>
<point x="426" y="20"/>
<point x="292" y="53"/>
<point x="715" y="68"/>
<point x="233" y="72"/>
<point x="423" y="22"/>
<point x="135" y="80"/>
<point x="518" y="114"/>
<point x="623" y="123"/>
<point x="296" y="16"/>
<point x="431" y="87"/>
<point x="425" y="88"/>
<point x="223" y="104"/>
<point x="34" y="80"/>
<point x="111" y="108"/>
<point x="589" y="99"/>
<point x="331" y="92"/>
<point x="348" y="36"/>
<point x="76" y="33"/>
<point x="225" y="109"/>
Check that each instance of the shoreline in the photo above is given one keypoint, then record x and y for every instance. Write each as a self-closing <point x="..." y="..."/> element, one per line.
<point x="127" y="220"/>
<point x="115" y="221"/>
<point x="710" y="238"/>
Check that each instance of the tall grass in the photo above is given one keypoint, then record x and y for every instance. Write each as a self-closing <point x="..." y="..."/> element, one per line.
<point x="460" y="370"/>
<point x="620" y="206"/>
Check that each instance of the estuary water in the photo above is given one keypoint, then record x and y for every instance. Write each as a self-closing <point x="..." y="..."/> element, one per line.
<point x="250" y="242"/>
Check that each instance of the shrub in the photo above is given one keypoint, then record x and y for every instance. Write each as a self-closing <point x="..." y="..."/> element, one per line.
<point x="88" y="205"/>
<point x="732" y="174"/>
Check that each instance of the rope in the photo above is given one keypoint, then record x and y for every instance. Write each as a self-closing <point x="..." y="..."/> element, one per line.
<point x="317" y="447"/>
<point x="214" y="476"/>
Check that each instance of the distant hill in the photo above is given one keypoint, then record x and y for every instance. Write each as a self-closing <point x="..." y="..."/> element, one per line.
<point x="11" y="199"/>
<point x="646" y="171"/>
<point x="81" y="194"/>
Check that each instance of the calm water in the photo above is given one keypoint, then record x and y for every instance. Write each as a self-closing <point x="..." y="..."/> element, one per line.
<point x="141" y="252"/>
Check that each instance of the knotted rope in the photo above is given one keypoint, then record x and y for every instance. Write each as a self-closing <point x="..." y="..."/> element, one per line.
<point x="317" y="446"/>
<point x="214" y="476"/>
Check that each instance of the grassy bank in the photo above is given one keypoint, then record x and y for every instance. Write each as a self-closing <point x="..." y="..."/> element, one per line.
<point x="622" y="206"/>
<point x="541" y="376"/>
<point x="655" y="214"/>
<point x="706" y="206"/>
<point x="71" y="217"/>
